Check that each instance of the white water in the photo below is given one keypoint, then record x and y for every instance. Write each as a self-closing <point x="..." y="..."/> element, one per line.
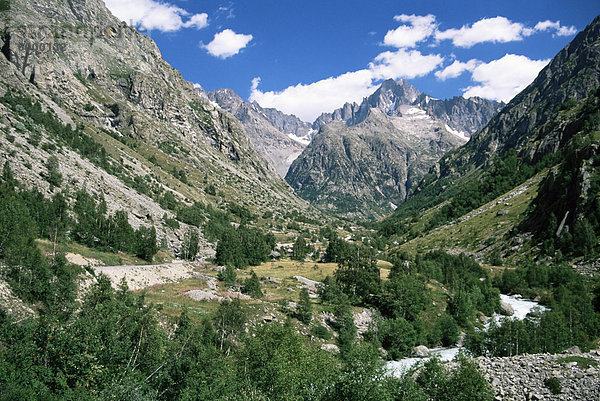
<point x="521" y="308"/>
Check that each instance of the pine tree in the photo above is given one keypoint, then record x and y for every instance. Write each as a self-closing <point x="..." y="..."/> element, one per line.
<point x="304" y="307"/>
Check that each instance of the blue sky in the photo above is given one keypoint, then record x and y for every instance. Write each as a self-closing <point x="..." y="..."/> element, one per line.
<point x="307" y="57"/>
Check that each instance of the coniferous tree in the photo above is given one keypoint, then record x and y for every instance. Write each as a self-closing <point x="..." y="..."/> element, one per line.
<point x="304" y="307"/>
<point x="189" y="248"/>
<point x="300" y="249"/>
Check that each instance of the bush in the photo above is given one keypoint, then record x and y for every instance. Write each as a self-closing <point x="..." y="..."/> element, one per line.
<point x="397" y="336"/>
<point x="227" y="275"/>
<point x="189" y="247"/>
<point x="252" y="286"/>
<point x="304" y="312"/>
<point x="54" y="177"/>
<point x="449" y="331"/>
<point x="320" y="332"/>
<point x="210" y="190"/>
<point x="553" y="384"/>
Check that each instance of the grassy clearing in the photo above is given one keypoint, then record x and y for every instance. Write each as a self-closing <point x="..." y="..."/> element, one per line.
<point x="172" y="298"/>
<point x="582" y="362"/>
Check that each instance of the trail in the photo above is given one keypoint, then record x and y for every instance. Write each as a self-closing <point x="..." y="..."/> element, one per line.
<point x="142" y="276"/>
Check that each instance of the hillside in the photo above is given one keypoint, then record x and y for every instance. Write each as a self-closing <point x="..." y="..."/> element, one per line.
<point x="273" y="134"/>
<point x="548" y="134"/>
<point x="140" y="136"/>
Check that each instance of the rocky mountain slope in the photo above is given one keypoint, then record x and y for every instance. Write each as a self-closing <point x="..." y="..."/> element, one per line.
<point x="146" y="139"/>
<point x="548" y="134"/>
<point x="365" y="170"/>
<point x="366" y="158"/>
<point x="273" y="134"/>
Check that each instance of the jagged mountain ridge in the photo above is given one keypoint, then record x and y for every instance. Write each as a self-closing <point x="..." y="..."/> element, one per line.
<point x="365" y="170"/>
<point x="105" y="77"/>
<point x="462" y="115"/>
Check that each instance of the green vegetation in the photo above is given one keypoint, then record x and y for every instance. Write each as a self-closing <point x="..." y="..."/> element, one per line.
<point x="76" y="139"/>
<point x="304" y="313"/>
<point x="53" y="176"/>
<point x="227" y="275"/>
<point x="252" y="286"/>
<point x="189" y="247"/>
<point x="582" y="362"/>
<point x="300" y="249"/>
<point x="553" y="384"/>
<point x="95" y="230"/>
<point x="243" y="246"/>
<point x="573" y="318"/>
<point x="569" y="197"/>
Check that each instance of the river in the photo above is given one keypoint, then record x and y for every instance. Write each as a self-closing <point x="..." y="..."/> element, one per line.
<point x="521" y="308"/>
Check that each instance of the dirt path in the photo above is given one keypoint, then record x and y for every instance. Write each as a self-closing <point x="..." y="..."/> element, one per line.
<point x="142" y="276"/>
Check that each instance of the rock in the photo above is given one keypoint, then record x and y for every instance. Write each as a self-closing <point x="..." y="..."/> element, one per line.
<point x="271" y="280"/>
<point x="309" y="284"/>
<point x="502" y="212"/>
<point x="402" y="133"/>
<point x="420" y="351"/>
<point x="268" y="135"/>
<point x="334" y="349"/>
<point x="506" y="309"/>
<point x="573" y="350"/>
<point x="203" y="295"/>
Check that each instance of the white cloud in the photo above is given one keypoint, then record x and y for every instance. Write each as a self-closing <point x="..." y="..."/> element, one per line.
<point x="404" y="64"/>
<point x="227" y="43"/>
<point x="310" y="100"/>
<point x="148" y="15"/>
<point x="197" y="21"/>
<point x="419" y="28"/>
<point x="557" y="27"/>
<point x="497" y="29"/>
<point x="502" y="79"/>
<point x="456" y="69"/>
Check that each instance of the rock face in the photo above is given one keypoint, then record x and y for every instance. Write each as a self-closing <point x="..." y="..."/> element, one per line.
<point x="366" y="158"/>
<point x="522" y="377"/>
<point x="92" y="71"/>
<point x="279" y="137"/>
<point x="463" y="115"/>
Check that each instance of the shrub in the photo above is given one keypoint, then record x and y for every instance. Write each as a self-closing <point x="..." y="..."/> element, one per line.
<point x="210" y="190"/>
<point x="320" y="332"/>
<point x="252" y="286"/>
<point x="553" y="384"/>
<point x="227" y="275"/>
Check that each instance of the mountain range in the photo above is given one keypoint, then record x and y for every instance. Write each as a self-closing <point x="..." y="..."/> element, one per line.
<point x="367" y="158"/>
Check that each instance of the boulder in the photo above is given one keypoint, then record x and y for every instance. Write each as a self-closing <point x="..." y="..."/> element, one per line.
<point x="420" y="351"/>
<point x="506" y="309"/>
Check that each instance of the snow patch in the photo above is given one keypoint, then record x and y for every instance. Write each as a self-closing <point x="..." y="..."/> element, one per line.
<point x="459" y="134"/>
<point x="304" y="140"/>
<point x="415" y="110"/>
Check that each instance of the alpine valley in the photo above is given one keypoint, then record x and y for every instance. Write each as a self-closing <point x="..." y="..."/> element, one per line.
<point x="163" y="242"/>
